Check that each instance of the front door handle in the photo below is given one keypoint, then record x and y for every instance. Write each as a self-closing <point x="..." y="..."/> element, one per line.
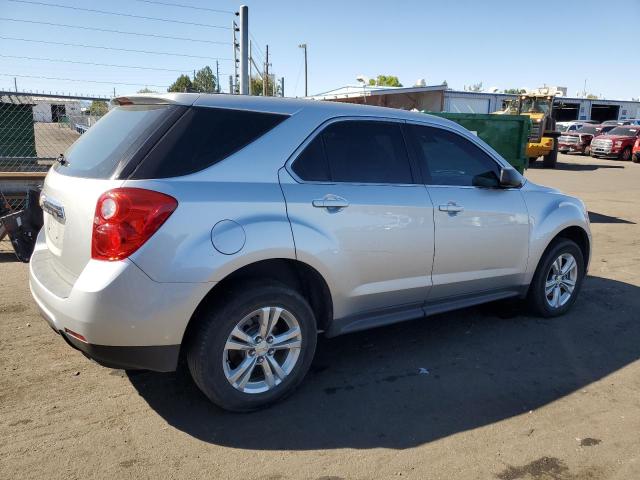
<point x="451" y="207"/>
<point x="332" y="202"/>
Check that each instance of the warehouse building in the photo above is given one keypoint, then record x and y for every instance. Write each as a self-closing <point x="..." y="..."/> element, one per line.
<point x="438" y="98"/>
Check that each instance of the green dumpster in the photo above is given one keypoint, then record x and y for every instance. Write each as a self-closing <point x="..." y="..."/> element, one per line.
<point x="506" y="134"/>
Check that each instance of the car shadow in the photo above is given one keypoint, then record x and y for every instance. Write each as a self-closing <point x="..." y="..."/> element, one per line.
<point x="576" y="167"/>
<point x="602" y="218"/>
<point x="6" y="257"/>
<point x="415" y="382"/>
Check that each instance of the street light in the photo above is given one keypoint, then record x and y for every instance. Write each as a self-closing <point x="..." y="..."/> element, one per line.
<point x="304" y="47"/>
<point x="364" y="81"/>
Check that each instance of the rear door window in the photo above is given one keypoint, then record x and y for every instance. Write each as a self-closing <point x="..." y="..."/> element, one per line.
<point x="356" y="151"/>
<point x="311" y="165"/>
<point x="202" y="137"/>
<point x="112" y="141"/>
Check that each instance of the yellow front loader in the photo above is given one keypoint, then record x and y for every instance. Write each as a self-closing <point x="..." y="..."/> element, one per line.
<point x="543" y="139"/>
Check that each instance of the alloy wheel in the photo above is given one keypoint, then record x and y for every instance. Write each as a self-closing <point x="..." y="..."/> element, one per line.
<point x="561" y="280"/>
<point x="262" y="350"/>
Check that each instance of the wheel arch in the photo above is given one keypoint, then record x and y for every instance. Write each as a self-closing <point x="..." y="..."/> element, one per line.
<point x="298" y="275"/>
<point x="573" y="232"/>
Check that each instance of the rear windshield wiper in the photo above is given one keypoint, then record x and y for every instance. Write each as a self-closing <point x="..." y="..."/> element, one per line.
<point x="62" y="161"/>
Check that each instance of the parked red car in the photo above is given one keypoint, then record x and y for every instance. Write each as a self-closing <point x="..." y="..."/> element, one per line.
<point x="635" y="154"/>
<point x="580" y="140"/>
<point x="617" y="143"/>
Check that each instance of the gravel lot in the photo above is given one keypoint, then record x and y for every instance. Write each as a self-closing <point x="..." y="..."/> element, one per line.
<point x="482" y="393"/>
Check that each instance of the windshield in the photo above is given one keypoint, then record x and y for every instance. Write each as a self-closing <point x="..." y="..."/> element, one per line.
<point x="534" y="105"/>
<point x="624" y="131"/>
<point x="562" y="128"/>
<point x="587" y="129"/>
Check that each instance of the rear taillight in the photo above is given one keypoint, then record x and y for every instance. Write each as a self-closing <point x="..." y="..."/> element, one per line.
<point x="125" y="219"/>
<point x="637" y="144"/>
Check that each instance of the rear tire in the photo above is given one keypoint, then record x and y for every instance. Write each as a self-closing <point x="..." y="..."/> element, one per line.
<point x="237" y="368"/>
<point x="549" y="295"/>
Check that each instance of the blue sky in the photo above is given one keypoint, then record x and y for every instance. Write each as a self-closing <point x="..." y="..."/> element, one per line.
<point x="496" y="42"/>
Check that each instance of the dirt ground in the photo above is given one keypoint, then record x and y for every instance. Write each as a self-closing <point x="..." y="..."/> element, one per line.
<point x="484" y="393"/>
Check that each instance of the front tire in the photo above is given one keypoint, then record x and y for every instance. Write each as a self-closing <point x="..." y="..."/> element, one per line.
<point x="626" y="154"/>
<point x="253" y="349"/>
<point x="558" y="278"/>
<point x="550" y="160"/>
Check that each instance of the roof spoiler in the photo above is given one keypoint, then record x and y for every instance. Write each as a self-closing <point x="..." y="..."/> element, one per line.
<point x="171" y="98"/>
<point x="141" y="100"/>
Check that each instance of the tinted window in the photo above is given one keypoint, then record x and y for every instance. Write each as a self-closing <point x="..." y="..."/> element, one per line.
<point x="311" y="165"/>
<point x="447" y="158"/>
<point x="112" y="141"/>
<point x="202" y="137"/>
<point x="624" y="131"/>
<point x="366" y="152"/>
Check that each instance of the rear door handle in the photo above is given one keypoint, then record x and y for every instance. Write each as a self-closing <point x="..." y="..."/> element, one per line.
<point x="330" y="202"/>
<point x="451" y="208"/>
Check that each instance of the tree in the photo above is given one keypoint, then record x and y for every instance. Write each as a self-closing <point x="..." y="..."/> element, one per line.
<point x="182" y="84"/>
<point x="204" y="80"/>
<point x="146" y="90"/>
<point x="98" y="108"/>
<point x="514" y="91"/>
<point x="476" y="87"/>
<point x="592" y="96"/>
<point x="386" y="81"/>
<point x="256" y="85"/>
<point x="273" y="87"/>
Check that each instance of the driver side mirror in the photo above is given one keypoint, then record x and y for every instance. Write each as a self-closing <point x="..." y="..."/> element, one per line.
<point x="510" y="178"/>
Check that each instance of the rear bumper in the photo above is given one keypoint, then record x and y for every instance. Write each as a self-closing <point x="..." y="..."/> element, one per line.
<point x="127" y="319"/>
<point x="160" y="358"/>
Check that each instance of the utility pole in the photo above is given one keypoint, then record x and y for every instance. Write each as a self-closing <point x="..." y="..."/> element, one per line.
<point x="306" y="84"/>
<point x="231" y="84"/>
<point x="244" y="50"/>
<point x="15" y="83"/>
<point x="265" y="80"/>
<point x="282" y="86"/>
<point x="217" y="77"/>
<point x="250" y="65"/>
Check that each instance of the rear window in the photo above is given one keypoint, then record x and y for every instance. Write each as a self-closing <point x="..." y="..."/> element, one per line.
<point x="202" y="137"/>
<point x="111" y="143"/>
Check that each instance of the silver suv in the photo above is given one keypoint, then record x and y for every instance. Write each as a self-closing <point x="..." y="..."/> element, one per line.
<point x="230" y="231"/>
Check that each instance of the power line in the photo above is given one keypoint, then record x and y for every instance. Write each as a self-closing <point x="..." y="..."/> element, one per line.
<point x="80" y="27"/>
<point x="169" y="4"/>
<point x="257" y="45"/>
<point x="83" y="81"/>
<point x="61" y="60"/>
<point x="129" y="15"/>
<point x="112" y="48"/>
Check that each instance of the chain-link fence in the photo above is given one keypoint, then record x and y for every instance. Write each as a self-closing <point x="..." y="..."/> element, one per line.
<point x="34" y="131"/>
